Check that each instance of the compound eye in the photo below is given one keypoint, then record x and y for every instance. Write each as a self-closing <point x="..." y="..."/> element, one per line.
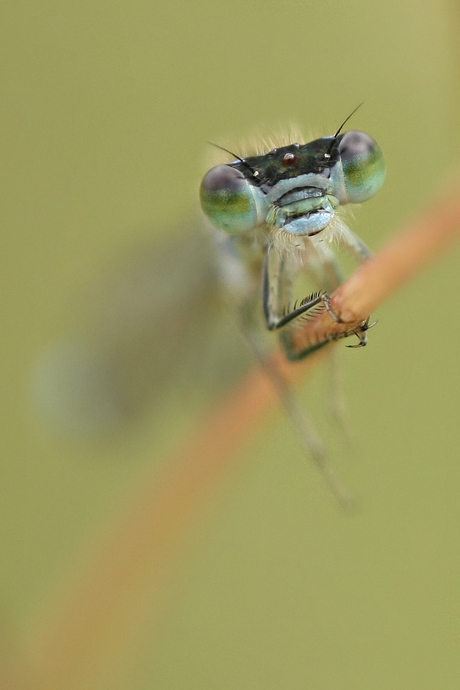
<point x="363" y="166"/>
<point x="230" y="201"/>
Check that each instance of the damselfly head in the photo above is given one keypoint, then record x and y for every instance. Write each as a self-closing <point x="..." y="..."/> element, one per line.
<point x="295" y="188"/>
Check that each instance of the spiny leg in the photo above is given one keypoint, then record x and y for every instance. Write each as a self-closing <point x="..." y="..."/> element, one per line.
<point x="331" y="278"/>
<point x="277" y="285"/>
<point x="360" y="332"/>
<point x="274" y="287"/>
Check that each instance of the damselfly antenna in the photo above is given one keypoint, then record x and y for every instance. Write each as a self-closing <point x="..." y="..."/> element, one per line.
<point x="328" y="154"/>
<point x="255" y="173"/>
<point x="346" y="120"/>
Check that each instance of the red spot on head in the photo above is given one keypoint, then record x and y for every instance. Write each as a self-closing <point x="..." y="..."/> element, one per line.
<point x="289" y="158"/>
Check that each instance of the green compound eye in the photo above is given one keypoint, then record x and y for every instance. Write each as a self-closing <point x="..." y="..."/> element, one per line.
<point x="363" y="167"/>
<point x="231" y="202"/>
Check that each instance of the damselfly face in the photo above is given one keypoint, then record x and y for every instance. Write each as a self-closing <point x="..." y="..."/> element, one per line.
<point x="296" y="188"/>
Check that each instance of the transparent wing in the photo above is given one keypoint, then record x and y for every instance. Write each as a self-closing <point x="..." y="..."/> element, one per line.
<point x="151" y="317"/>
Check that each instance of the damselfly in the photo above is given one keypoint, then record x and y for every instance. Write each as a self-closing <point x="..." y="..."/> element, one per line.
<point x="278" y="210"/>
<point x="277" y="235"/>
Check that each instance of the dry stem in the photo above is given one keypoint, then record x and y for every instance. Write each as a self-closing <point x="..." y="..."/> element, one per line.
<point x="105" y="607"/>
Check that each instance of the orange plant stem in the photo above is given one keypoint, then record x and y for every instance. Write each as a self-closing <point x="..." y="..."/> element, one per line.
<point x="106" y="602"/>
<point x="421" y="240"/>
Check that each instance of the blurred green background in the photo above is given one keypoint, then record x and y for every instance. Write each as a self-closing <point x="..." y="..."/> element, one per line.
<point x="106" y="110"/>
